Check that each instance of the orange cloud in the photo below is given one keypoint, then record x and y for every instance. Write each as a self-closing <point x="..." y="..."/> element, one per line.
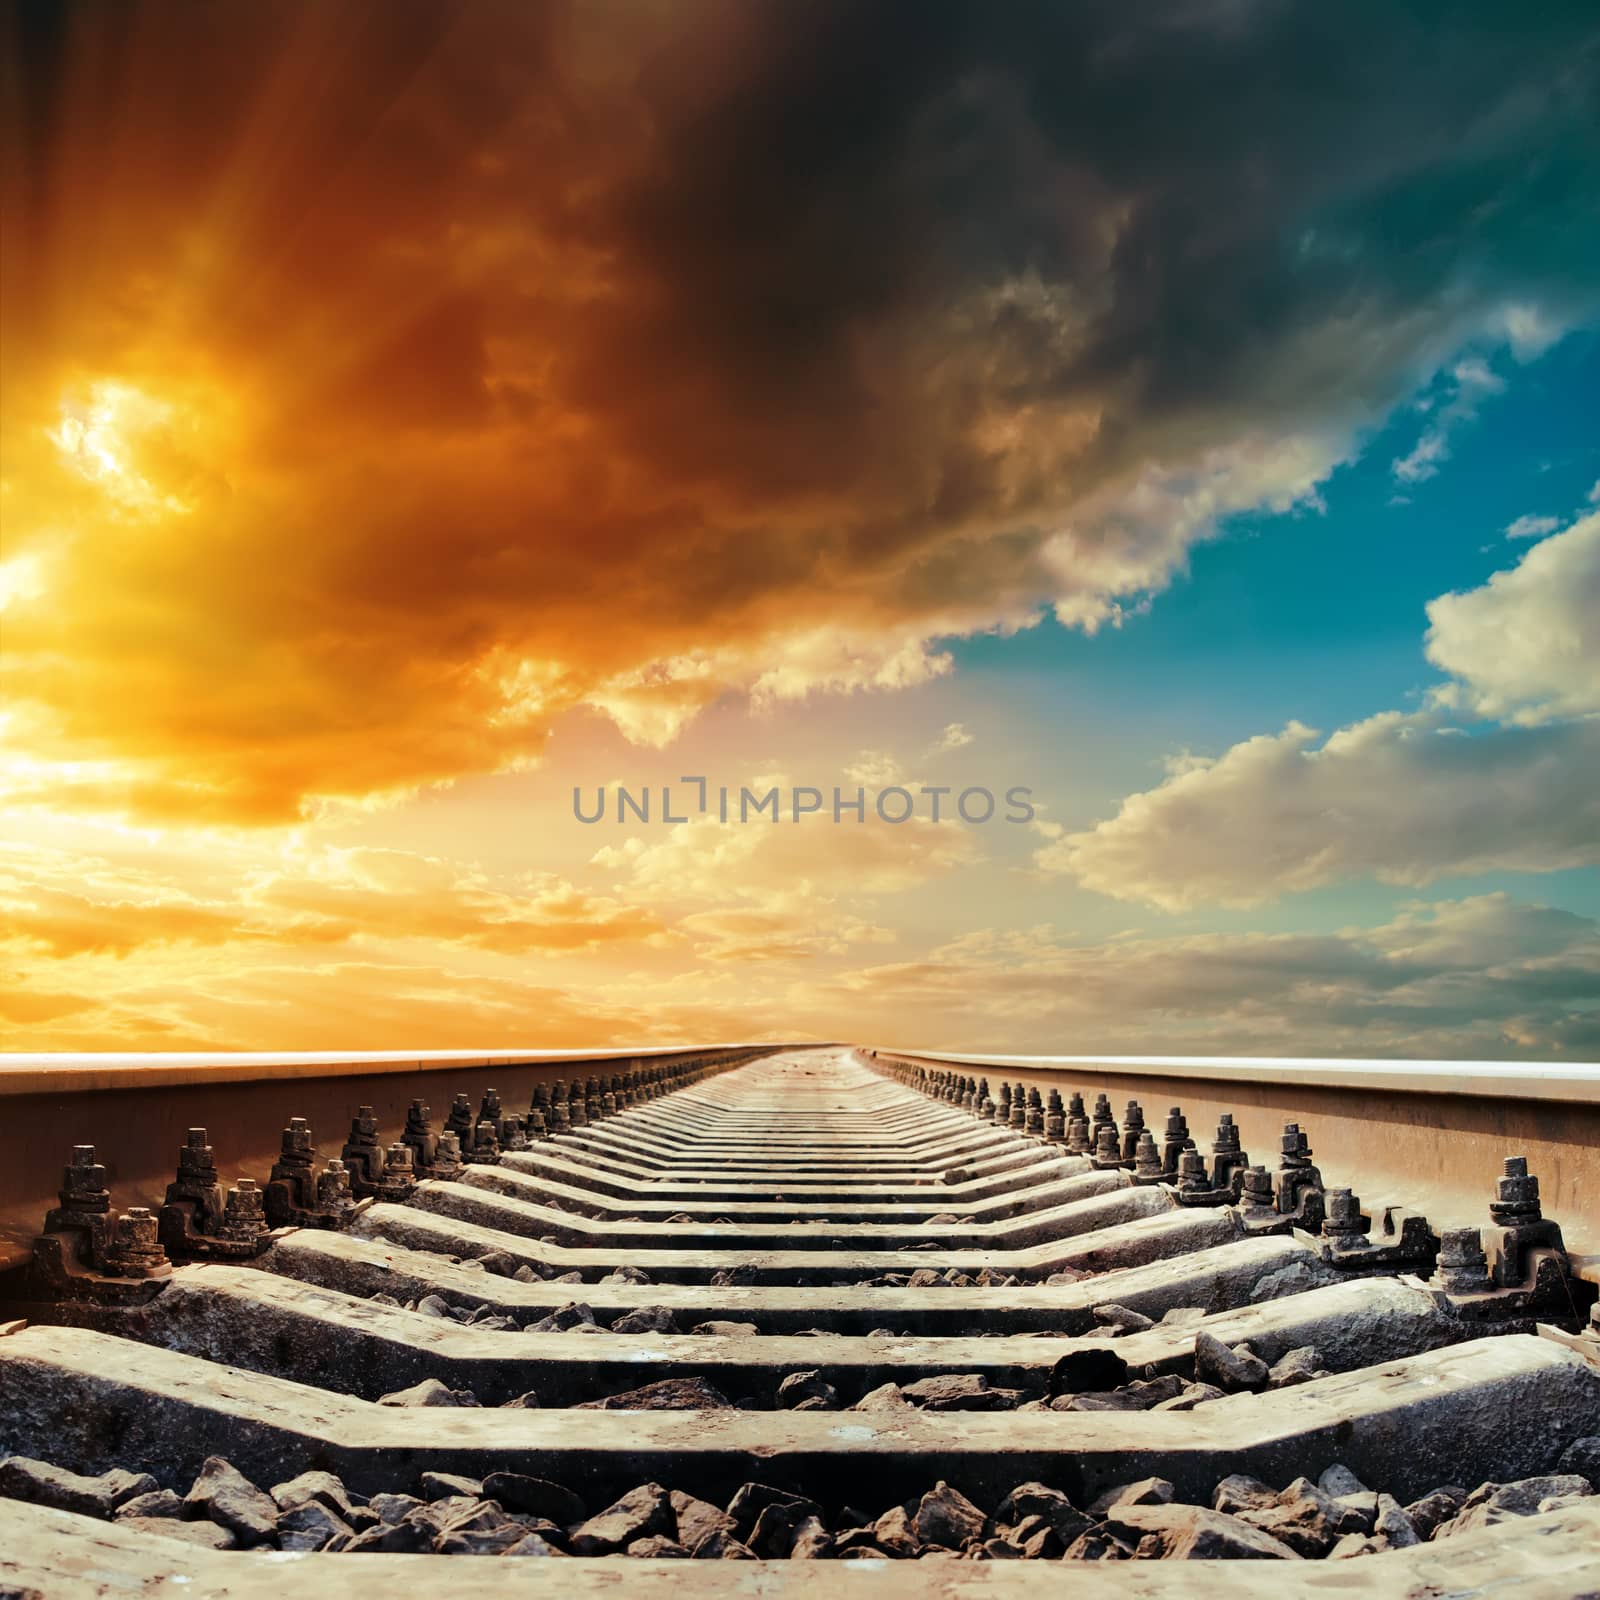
<point x="380" y="386"/>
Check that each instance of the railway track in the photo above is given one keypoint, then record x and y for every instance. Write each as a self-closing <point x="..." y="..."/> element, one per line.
<point x="815" y="1306"/>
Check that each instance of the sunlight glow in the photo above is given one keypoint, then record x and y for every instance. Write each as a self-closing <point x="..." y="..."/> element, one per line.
<point x="105" y="438"/>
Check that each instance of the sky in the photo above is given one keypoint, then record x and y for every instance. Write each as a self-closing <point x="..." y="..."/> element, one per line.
<point x="412" y="415"/>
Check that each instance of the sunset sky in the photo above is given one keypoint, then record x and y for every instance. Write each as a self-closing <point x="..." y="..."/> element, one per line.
<point x="1186" y="410"/>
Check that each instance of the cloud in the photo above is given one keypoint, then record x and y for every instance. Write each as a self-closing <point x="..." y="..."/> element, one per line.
<point x="1532" y="527"/>
<point x="1471" y="384"/>
<point x="322" y="899"/>
<point x="1525" y="646"/>
<point x="874" y="769"/>
<point x="954" y="737"/>
<point x="1405" y="797"/>
<point x="384" y="388"/>
<point x="1400" y="797"/>
<point x="1486" y="976"/>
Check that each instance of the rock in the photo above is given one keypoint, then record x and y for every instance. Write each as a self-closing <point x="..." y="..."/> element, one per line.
<point x="1088" y="1372"/>
<point x="1434" y="1508"/>
<point x="998" y="1549"/>
<point x="1144" y="1492"/>
<point x="697" y="1519"/>
<point x="321" y="1487"/>
<point x="205" y="1534"/>
<point x="733" y="1277"/>
<point x="1393" y="1525"/>
<point x="808" y="1386"/>
<point x="638" y="1514"/>
<point x="567" y="1277"/>
<point x="1356" y="1544"/>
<point x="524" y="1274"/>
<point x="990" y="1399"/>
<point x="1296" y="1366"/>
<point x="1122" y="1319"/>
<point x="564" y="1318"/>
<point x="533" y="1544"/>
<point x="538" y="1497"/>
<point x="812" y="1542"/>
<point x="1192" y="1533"/>
<point x="158" y="1503"/>
<point x="1499" y="1502"/>
<point x="751" y="1499"/>
<point x="775" y="1529"/>
<point x="1138" y="1396"/>
<point x="433" y="1305"/>
<point x="1339" y="1480"/>
<point x="924" y="1278"/>
<point x="438" y="1515"/>
<point x="1036" y="1540"/>
<point x="1238" y="1368"/>
<point x="656" y="1546"/>
<point x="394" y="1508"/>
<point x="647" y="1319"/>
<point x="886" y="1397"/>
<point x="1097" y="1546"/>
<point x="893" y="1532"/>
<point x="1307" y="1520"/>
<point x="223" y="1493"/>
<point x="628" y="1275"/>
<point x="449" y="1485"/>
<point x="309" y="1526"/>
<point x="1182" y="1316"/>
<point x="401" y="1538"/>
<point x="39" y="1483"/>
<point x="726" y="1330"/>
<point x="722" y="1546"/>
<point x="945" y="1516"/>
<point x="949" y="1386"/>
<point x="523" y="1402"/>
<point x="430" y="1392"/>
<point x="1193" y="1394"/>
<point x="1559" y="1502"/>
<point x="1036" y="1500"/>
<point x="1582" y="1457"/>
<point x="668" y="1394"/>
<point x="1239" y="1493"/>
<point x="1063" y="1276"/>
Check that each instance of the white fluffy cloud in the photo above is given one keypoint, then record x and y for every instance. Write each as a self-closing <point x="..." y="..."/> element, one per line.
<point x="1404" y="797"/>
<point x="1525" y="647"/>
<point x="1398" y="797"/>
